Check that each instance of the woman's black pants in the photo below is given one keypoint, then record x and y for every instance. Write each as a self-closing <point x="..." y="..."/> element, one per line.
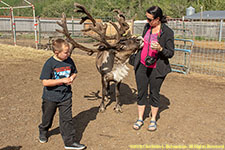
<point x="146" y="77"/>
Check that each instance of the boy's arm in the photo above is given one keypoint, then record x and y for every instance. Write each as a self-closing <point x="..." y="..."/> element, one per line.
<point x="54" y="82"/>
<point x="73" y="77"/>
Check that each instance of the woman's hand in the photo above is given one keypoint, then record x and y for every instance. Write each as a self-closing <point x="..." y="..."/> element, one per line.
<point x="156" y="46"/>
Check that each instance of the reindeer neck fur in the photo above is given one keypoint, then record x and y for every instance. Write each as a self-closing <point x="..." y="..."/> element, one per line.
<point x="119" y="71"/>
<point x="112" y="64"/>
<point x="111" y="67"/>
<point x="105" y="61"/>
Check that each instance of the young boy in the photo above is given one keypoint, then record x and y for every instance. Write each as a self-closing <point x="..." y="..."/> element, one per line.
<point x="58" y="73"/>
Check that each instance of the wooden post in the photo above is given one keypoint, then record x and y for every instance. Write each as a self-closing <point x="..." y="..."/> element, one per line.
<point x="39" y="29"/>
<point x="13" y="25"/>
<point x="221" y="30"/>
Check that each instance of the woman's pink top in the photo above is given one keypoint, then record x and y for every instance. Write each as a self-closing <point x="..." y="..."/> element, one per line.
<point x="152" y="52"/>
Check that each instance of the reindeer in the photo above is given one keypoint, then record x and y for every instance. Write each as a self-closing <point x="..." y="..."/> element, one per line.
<point x="111" y="58"/>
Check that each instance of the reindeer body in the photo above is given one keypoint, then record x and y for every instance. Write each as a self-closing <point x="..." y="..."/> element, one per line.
<point x="111" y="58"/>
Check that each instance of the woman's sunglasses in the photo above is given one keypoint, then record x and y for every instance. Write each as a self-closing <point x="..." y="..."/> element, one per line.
<point x="150" y="20"/>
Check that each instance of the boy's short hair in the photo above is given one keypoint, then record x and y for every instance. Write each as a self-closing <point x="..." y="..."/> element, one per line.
<point x="57" y="44"/>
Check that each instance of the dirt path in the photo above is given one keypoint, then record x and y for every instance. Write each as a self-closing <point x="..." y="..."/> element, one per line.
<point x="192" y="109"/>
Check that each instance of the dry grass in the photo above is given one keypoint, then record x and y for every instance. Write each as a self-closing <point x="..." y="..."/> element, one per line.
<point x="210" y="44"/>
<point x="17" y="53"/>
<point x="10" y="52"/>
<point x="204" y="44"/>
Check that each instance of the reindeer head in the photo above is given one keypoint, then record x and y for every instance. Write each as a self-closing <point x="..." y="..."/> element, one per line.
<point x="122" y="43"/>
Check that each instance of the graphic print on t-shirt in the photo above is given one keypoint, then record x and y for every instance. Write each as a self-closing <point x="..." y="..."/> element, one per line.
<point x="62" y="72"/>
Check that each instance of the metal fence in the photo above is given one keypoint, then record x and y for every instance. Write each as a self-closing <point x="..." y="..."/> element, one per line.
<point x="207" y="56"/>
<point x="208" y="53"/>
<point x="46" y="29"/>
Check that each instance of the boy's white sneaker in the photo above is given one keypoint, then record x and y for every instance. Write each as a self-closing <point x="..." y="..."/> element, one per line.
<point x="75" y="146"/>
<point x="43" y="138"/>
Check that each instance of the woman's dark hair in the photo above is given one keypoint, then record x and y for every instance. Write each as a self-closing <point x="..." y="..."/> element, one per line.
<point x="157" y="12"/>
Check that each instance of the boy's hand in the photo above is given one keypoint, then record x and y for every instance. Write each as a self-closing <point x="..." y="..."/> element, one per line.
<point x="73" y="77"/>
<point x="71" y="81"/>
<point x="67" y="81"/>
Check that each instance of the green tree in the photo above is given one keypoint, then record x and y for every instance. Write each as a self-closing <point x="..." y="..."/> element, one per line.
<point x="104" y="8"/>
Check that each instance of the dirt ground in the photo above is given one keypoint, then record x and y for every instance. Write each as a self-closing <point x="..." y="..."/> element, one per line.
<point x="192" y="114"/>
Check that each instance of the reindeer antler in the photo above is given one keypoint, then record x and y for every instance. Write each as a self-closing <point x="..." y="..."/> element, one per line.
<point x="123" y="26"/>
<point x="82" y="9"/>
<point x="65" y="31"/>
<point x="98" y="28"/>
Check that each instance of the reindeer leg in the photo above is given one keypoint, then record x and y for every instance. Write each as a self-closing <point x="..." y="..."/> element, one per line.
<point x="107" y="92"/>
<point x="117" y="107"/>
<point x="102" y="105"/>
<point x="108" y="78"/>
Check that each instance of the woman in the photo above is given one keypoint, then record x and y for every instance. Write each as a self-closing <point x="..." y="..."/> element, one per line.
<point x="151" y="64"/>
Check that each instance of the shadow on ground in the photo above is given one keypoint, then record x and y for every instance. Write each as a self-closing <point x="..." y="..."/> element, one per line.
<point x="11" y="148"/>
<point x="80" y="122"/>
<point x="164" y="104"/>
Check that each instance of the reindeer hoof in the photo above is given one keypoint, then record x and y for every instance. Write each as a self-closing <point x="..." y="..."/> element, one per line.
<point x="102" y="109"/>
<point x="118" y="109"/>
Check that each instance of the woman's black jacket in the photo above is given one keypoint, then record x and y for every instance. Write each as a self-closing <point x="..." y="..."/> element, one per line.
<point x="166" y="40"/>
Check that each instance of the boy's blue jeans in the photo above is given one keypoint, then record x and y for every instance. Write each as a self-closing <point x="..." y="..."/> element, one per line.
<point x="65" y="119"/>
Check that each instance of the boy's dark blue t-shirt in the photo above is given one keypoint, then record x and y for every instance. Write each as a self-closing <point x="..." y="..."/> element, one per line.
<point x="54" y="69"/>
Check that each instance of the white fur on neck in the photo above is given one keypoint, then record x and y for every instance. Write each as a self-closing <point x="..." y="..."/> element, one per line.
<point x="120" y="72"/>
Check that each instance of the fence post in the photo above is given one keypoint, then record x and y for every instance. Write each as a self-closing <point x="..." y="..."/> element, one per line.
<point x="184" y="37"/>
<point x="132" y="26"/>
<point x="35" y="27"/>
<point x="13" y="24"/>
<point x="72" y="26"/>
<point x="39" y="29"/>
<point x="221" y="30"/>
<point x="184" y="27"/>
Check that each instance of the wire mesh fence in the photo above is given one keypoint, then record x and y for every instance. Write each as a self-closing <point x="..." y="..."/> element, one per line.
<point x="182" y="57"/>
<point x="207" y="55"/>
<point x="46" y="30"/>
